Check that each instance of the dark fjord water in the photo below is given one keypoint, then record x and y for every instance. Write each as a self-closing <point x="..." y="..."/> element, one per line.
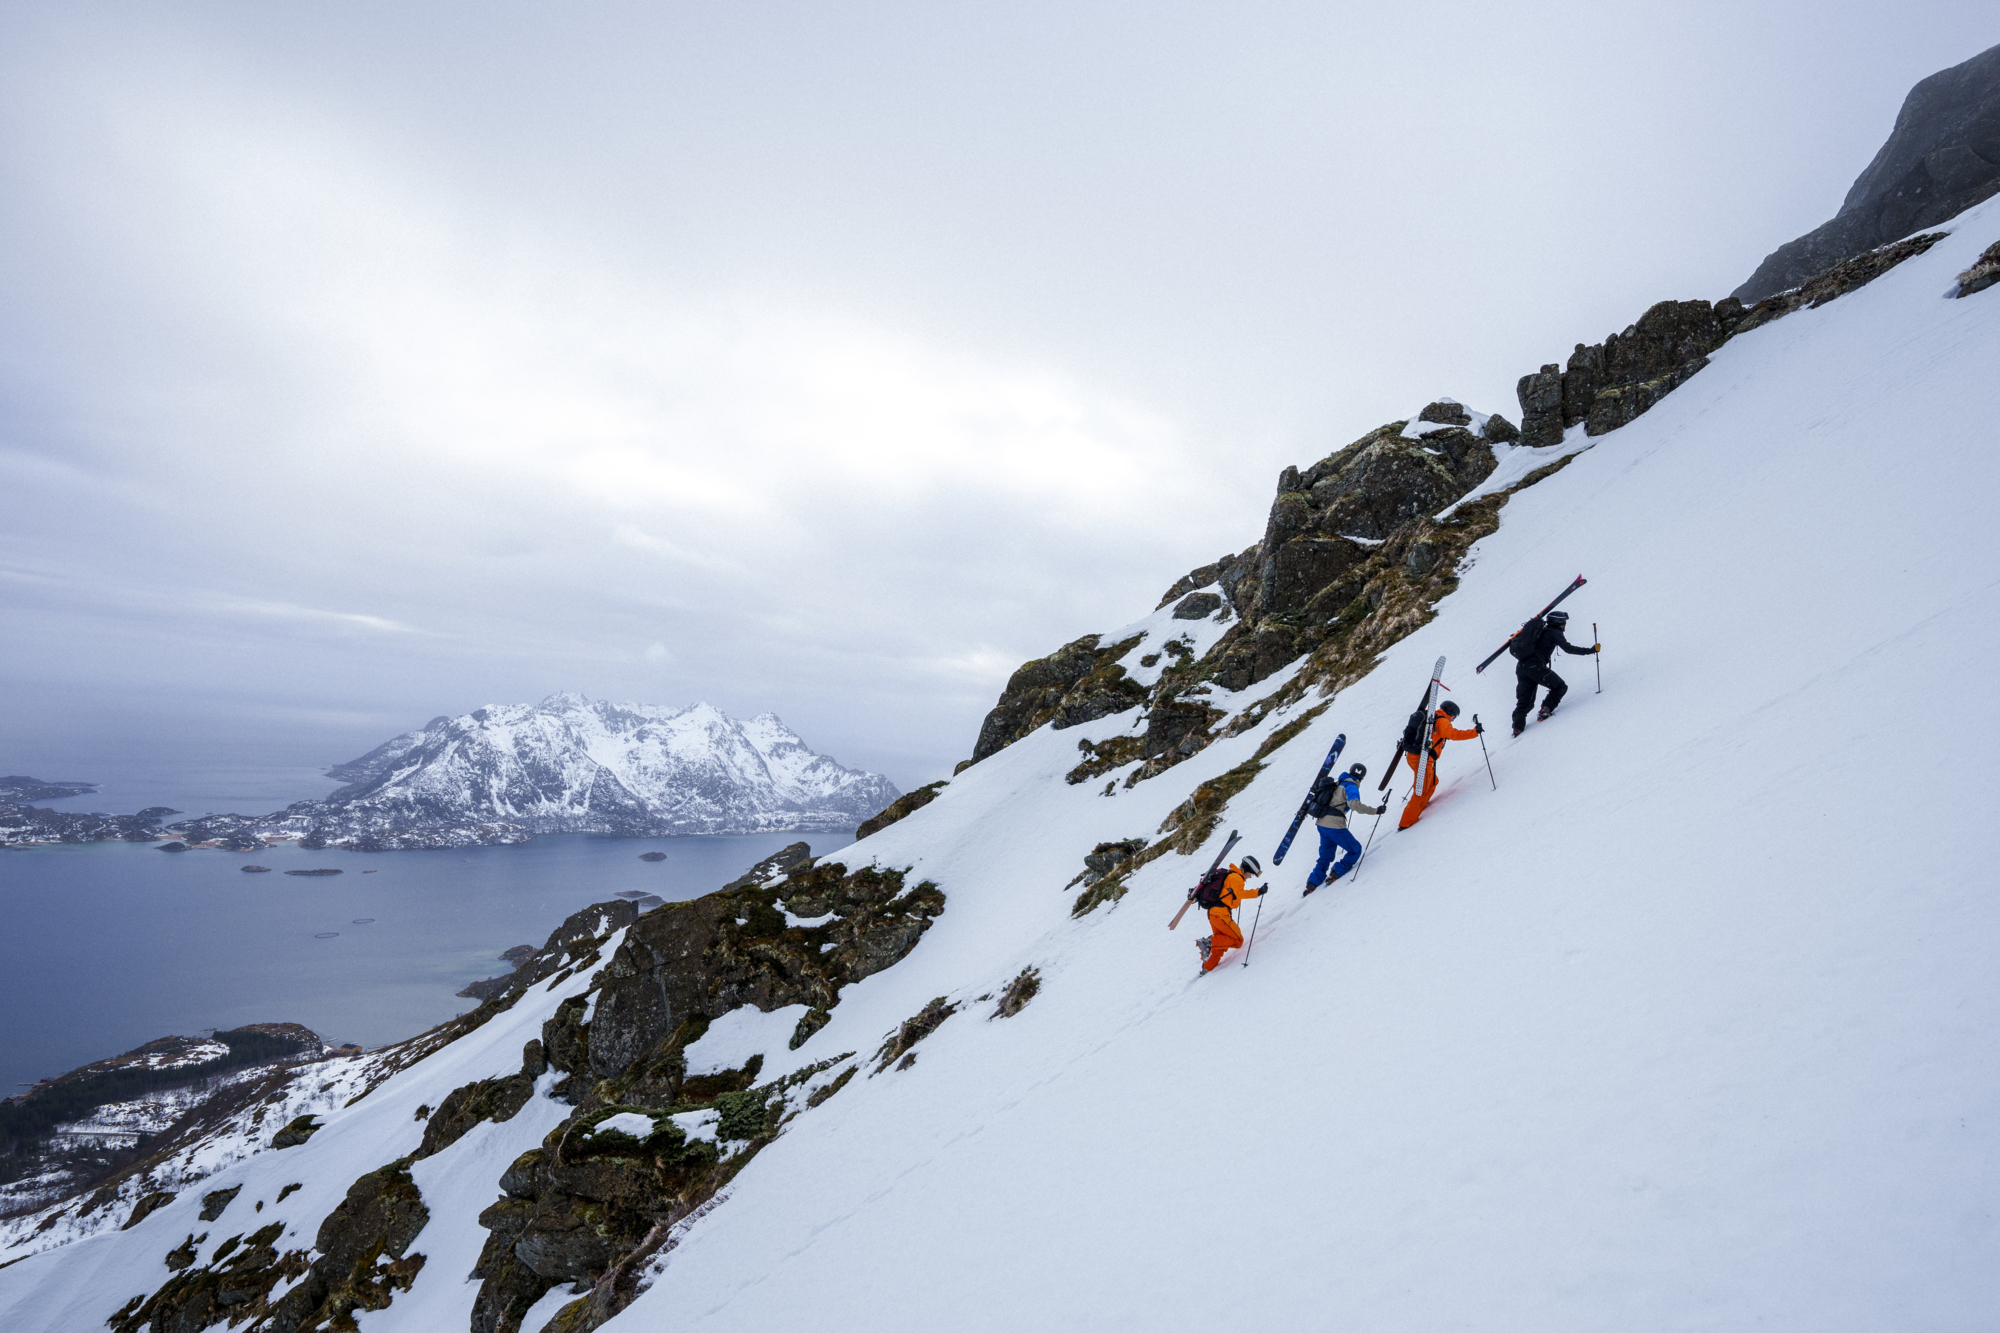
<point x="108" y="945"/>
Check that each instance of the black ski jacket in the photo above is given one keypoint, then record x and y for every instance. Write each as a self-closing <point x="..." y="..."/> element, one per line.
<point x="1546" y="643"/>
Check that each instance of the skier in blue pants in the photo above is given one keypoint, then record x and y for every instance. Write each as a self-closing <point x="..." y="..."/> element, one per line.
<point x="1332" y="799"/>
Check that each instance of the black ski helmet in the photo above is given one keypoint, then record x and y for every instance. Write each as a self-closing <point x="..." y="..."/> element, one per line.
<point x="1358" y="772"/>
<point x="1250" y="865"/>
<point x="1448" y="708"/>
<point x="1559" y="617"/>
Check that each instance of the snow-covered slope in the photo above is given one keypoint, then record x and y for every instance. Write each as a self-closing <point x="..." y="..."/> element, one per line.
<point x="571" y="764"/>
<point x="1689" y="1024"/>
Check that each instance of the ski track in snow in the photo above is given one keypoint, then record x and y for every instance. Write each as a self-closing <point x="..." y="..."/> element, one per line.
<point x="1687" y="1025"/>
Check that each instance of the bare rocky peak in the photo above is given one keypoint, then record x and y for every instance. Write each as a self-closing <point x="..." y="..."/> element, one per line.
<point x="1942" y="157"/>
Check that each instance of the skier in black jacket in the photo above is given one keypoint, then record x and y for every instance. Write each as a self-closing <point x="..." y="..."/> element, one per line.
<point x="1531" y="669"/>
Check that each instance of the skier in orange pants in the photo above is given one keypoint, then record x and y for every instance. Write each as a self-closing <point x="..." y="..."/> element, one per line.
<point x="1227" y="936"/>
<point x="1442" y="730"/>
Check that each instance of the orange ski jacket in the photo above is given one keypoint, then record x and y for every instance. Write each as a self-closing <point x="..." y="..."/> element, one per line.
<point x="1442" y="730"/>
<point x="1235" y="889"/>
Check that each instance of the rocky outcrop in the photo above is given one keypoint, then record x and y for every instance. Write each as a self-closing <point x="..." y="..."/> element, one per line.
<point x="1319" y="549"/>
<point x="603" y="1190"/>
<point x="686" y="963"/>
<point x="1198" y="606"/>
<point x="902" y="808"/>
<point x="1942" y="157"/>
<point x="1353" y="553"/>
<point x="1608" y="384"/>
<point x="214" y="1202"/>
<point x="297" y="1132"/>
<point x="496" y="1099"/>
<point x="1224" y="575"/>
<point x="1985" y="272"/>
<point x="1023" y="988"/>
<point x="1837" y="281"/>
<point x="1079" y="682"/>
<point x="897" y="1049"/>
<point x="364" y="1260"/>
<point x="588" y="1197"/>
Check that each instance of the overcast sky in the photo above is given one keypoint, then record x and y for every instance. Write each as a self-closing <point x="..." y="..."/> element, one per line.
<point x="365" y="362"/>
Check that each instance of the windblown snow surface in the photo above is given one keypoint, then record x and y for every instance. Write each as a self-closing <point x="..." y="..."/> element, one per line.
<point x="1690" y="1024"/>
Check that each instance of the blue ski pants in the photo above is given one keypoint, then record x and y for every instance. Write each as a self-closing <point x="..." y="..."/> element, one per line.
<point x="1333" y="840"/>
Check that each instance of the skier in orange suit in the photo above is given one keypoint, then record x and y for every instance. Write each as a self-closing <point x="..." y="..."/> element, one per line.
<point x="1442" y="730"/>
<point x="1227" y="936"/>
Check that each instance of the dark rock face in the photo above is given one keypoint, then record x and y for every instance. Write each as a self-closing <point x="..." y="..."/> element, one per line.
<point x="577" y="1205"/>
<point x="213" y="1204"/>
<point x="147" y="1206"/>
<point x="1079" y="682"/>
<point x="1224" y="575"/>
<point x="496" y="1099"/>
<point x="1198" y="606"/>
<point x="901" y="808"/>
<point x="297" y="1132"/>
<point x="363" y="1246"/>
<point x="1942" y="157"/>
<point x="695" y="961"/>
<point x="792" y="854"/>
<point x="1836" y="282"/>
<point x="1541" y="398"/>
<point x="587" y="1206"/>
<point x="377" y="1221"/>
<point x="1608" y="384"/>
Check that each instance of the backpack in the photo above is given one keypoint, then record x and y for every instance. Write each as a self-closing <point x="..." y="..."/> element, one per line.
<point x="1522" y="645"/>
<point x="1413" y="732"/>
<point x="1208" y="893"/>
<point x="1324" y="794"/>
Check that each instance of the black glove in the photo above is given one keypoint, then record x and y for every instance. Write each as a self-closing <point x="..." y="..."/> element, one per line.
<point x="1478" y="727"/>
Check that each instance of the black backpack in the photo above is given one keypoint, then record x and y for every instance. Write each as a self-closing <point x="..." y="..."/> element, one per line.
<point x="1324" y="795"/>
<point x="1413" y="733"/>
<point x="1208" y="893"/>
<point x="1522" y="645"/>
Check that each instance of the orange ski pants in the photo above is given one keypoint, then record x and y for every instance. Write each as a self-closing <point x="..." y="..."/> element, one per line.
<point x="1420" y="796"/>
<point x="1224" y="937"/>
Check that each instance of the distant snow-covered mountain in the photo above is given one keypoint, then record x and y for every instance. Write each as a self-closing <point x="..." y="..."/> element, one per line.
<point x="575" y="765"/>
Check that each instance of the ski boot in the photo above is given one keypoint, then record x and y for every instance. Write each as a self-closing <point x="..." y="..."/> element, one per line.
<point x="1520" y="727"/>
<point x="1203" y="945"/>
<point x="1545" y="714"/>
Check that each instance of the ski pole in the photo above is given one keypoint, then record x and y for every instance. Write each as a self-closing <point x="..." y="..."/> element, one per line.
<point x="1355" y="873"/>
<point x="1598" y="660"/>
<point x="1482" y="750"/>
<point x="1261" y="893"/>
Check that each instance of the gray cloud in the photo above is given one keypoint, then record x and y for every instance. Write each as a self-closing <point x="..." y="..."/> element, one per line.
<point x="364" y="364"/>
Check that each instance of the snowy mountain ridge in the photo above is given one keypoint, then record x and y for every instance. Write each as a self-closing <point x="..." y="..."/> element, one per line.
<point x="570" y="764"/>
<point x="1680" y="1020"/>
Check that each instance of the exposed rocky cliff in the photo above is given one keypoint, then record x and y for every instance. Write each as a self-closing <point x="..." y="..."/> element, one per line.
<point x="1358" y="548"/>
<point x="1942" y="157"/>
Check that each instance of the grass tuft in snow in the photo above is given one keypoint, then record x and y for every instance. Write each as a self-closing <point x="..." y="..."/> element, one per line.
<point x="1020" y="990"/>
<point x="913" y="1030"/>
